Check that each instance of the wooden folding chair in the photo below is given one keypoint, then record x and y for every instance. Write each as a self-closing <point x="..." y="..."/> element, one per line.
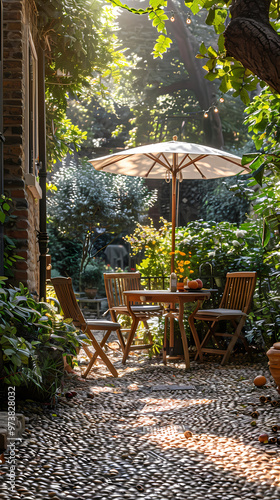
<point x="70" y="307"/>
<point x="234" y="308"/>
<point x="115" y="285"/>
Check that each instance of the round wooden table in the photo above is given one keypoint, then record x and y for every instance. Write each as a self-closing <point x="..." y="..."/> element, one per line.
<point x="167" y="297"/>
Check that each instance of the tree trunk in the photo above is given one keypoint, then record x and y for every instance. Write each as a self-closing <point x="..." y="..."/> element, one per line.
<point x="251" y="40"/>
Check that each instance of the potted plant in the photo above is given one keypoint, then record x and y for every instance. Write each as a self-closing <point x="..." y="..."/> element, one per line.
<point x="182" y="268"/>
<point x="91" y="279"/>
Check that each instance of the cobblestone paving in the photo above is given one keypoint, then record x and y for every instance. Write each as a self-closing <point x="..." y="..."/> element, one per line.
<point x="125" y="438"/>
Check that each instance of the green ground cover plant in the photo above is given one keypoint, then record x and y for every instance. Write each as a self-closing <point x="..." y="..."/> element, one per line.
<point x="33" y="340"/>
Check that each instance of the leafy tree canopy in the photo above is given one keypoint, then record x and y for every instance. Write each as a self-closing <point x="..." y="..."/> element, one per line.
<point x="248" y="44"/>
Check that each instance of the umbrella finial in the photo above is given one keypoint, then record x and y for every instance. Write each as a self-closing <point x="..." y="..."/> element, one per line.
<point x="175" y="137"/>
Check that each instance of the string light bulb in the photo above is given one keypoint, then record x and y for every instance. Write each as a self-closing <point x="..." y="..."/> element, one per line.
<point x="172" y="18"/>
<point x="216" y="110"/>
<point x="222" y="99"/>
<point x="205" y="114"/>
<point x="188" y="20"/>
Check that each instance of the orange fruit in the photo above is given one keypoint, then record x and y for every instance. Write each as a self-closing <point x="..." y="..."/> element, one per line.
<point x="259" y="380"/>
<point x="193" y="284"/>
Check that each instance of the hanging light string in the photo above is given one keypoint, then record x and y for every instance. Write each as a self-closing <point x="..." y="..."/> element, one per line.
<point x="171" y="16"/>
<point x="214" y="107"/>
<point x="205" y="112"/>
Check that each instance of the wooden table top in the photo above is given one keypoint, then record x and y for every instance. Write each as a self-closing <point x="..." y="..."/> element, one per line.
<point x="167" y="296"/>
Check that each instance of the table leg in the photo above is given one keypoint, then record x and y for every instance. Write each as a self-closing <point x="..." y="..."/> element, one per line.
<point x="193" y="330"/>
<point x="171" y="334"/>
<point x="183" y="334"/>
<point x="165" y="341"/>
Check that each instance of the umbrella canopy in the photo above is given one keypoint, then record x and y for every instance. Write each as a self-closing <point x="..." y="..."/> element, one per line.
<point x="172" y="160"/>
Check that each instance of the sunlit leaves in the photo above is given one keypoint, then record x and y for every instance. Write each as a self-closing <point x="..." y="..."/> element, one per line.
<point x="5" y="205"/>
<point x="118" y="3"/>
<point x="80" y="44"/>
<point x="162" y="44"/>
<point x="158" y="18"/>
<point x="217" y="65"/>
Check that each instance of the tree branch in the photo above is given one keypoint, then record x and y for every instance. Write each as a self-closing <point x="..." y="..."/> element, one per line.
<point x="251" y="40"/>
<point x="173" y="87"/>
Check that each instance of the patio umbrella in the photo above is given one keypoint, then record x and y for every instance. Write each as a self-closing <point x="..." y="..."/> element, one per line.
<point x="172" y="160"/>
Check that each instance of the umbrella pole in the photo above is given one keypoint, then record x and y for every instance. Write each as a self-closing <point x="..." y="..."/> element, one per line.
<point x="173" y="211"/>
<point x="171" y="339"/>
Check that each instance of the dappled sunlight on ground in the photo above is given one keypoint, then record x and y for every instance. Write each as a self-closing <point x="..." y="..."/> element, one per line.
<point x="225" y="453"/>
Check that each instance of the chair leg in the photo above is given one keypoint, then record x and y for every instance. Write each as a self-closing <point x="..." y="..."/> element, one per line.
<point x="119" y="333"/>
<point x="101" y="354"/>
<point x="243" y="339"/>
<point x="87" y="351"/>
<point x="233" y="340"/>
<point x="210" y="333"/>
<point x="130" y="338"/>
<point x="95" y="355"/>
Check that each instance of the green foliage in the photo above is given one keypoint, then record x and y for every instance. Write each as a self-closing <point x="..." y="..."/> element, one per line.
<point x="6" y="217"/>
<point x="33" y="338"/>
<point x="265" y="315"/>
<point x="5" y="207"/>
<point x="153" y="105"/>
<point x="154" y="246"/>
<point x="229" y="200"/>
<point x="66" y="254"/>
<point x="105" y="122"/>
<point x="81" y="47"/>
<point x="263" y="122"/>
<point x="158" y="17"/>
<point x="66" y="137"/>
<point x="266" y="205"/>
<point x="231" y="73"/>
<point x="226" y="246"/>
<point x="89" y="204"/>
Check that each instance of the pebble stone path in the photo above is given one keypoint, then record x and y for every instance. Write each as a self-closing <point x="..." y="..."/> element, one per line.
<point x="124" y="438"/>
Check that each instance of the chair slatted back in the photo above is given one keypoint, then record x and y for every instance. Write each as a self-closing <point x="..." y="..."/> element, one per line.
<point x="66" y="297"/>
<point x="117" y="283"/>
<point x="239" y="291"/>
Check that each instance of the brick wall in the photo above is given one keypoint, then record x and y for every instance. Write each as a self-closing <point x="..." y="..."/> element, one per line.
<point x="18" y="16"/>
